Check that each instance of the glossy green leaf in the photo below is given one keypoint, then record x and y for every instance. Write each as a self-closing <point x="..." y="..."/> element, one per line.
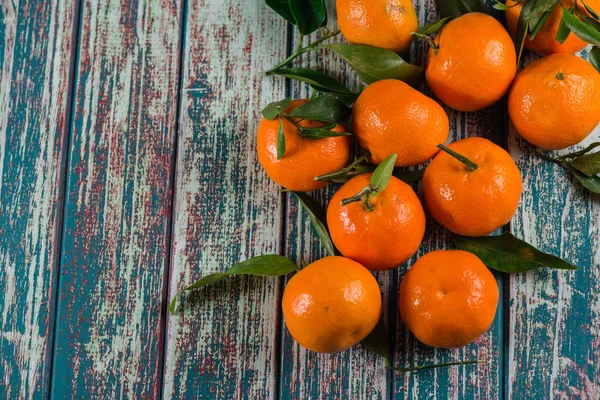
<point x="433" y="27"/>
<point x="506" y="253"/>
<point x="373" y="63"/>
<point x="456" y="8"/>
<point x="383" y="173"/>
<point x="595" y="57"/>
<point x="322" y="133"/>
<point x="309" y="15"/>
<point x="563" y="32"/>
<point x="539" y="14"/>
<point x="282" y="7"/>
<point x="318" y="219"/>
<point x="271" y="111"/>
<point x="267" y="265"/>
<point x="589" y="164"/>
<point x="280" y="141"/>
<point x="318" y="80"/>
<point x="583" y="30"/>
<point x="325" y="109"/>
<point x="523" y="28"/>
<point x="591" y="183"/>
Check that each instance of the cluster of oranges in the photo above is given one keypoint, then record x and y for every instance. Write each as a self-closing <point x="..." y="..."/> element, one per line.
<point x="472" y="187"/>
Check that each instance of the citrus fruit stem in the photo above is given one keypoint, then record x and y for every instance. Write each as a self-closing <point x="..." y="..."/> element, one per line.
<point x="429" y="40"/>
<point x="365" y="192"/>
<point x="301" y="50"/>
<point x="355" y="168"/>
<point x="471" y="166"/>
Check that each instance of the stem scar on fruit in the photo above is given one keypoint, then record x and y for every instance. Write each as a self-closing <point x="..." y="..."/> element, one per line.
<point x="471" y="166"/>
<point x="379" y="181"/>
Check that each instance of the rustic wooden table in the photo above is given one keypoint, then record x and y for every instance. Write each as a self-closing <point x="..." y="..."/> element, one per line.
<point x="128" y="169"/>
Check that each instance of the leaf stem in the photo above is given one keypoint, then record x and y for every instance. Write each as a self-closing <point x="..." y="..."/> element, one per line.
<point x="358" y="196"/>
<point x="429" y="40"/>
<point x="344" y="172"/>
<point x="421" y="367"/>
<point x="301" y="50"/>
<point x="471" y="166"/>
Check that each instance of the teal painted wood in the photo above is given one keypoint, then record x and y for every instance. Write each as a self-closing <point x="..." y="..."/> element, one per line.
<point x="223" y="341"/>
<point x="117" y="211"/>
<point x="554" y="327"/>
<point x="355" y="373"/>
<point x="35" y="58"/>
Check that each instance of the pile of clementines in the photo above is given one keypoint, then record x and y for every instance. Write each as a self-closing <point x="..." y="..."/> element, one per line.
<point x="472" y="187"/>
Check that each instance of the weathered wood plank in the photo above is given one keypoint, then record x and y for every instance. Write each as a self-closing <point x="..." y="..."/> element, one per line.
<point x="554" y="327"/>
<point x="355" y="373"/>
<point x="118" y="201"/>
<point x="35" y="58"/>
<point x="226" y="208"/>
<point x="481" y="381"/>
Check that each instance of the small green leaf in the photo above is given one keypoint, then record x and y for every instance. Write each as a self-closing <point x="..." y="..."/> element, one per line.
<point x="318" y="80"/>
<point x="267" y="265"/>
<point x="373" y="63"/>
<point x="383" y="173"/>
<point x="506" y="253"/>
<point x="456" y="8"/>
<point x="318" y="219"/>
<point x="589" y="164"/>
<point x="583" y="30"/>
<point x="595" y="57"/>
<point x="322" y="133"/>
<point x="563" y="32"/>
<point x="280" y="141"/>
<point x="592" y="12"/>
<point x="433" y="27"/>
<point x="324" y="109"/>
<point x="523" y="28"/>
<point x="282" y="8"/>
<point x="539" y="14"/>
<point x="500" y="6"/>
<point x="309" y="15"/>
<point x="273" y="110"/>
<point x="410" y="176"/>
<point x="591" y="183"/>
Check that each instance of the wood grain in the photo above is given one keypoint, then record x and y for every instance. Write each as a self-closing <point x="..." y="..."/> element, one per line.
<point x="35" y="57"/>
<point x="117" y="211"/>
<point x="554" y="327"/>
<point x="223" y="341"/>
<point x="481" y="381"/>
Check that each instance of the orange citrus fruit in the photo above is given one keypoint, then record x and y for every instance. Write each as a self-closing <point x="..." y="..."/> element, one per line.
<point x="382" y="238"/>
<point x="304" y="158"/>
<point x="472" y="202"/>
<point x="474" y="63"/>
<point x="448" y="298"/>
<point x="331" y="304"/>
<point x="554" y="102"/>
<point x="381" y="23"/>
<point x="545" y="40"/>
<point x="391" y="117"/>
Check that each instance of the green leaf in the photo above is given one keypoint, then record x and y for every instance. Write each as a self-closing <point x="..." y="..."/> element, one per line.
<point x="579" y="153"/>
<point x="310" y="15"/>
<point x="322" y="133"/>
<point x="595" y="57"/>
<point x="324" y="109"/>
<point x="273" y="110"/>
<point x="410" y="176"/>
<point x="563" y="32"/>
<point x="433" y="27"/>
<point x="373" y="63"/>
<point x="592" y="12"/>
<point x="267" y="265"/>
<point x="583" y="30"/>
<point x="318" y="219"/>
<point x="282" y="8"/>
<point x="318" y="80"/>
<point x="280" y="141"/>
<point x="506" y="253"/>
<point x="523" y="28"/>
<point x="500" y="6"/>
<point x="539" y="14"/>
<point x="456" y="8"/>
<point x="383" y="173"/>
<point x="589" y="164"/>
<point x="591" y="183"/>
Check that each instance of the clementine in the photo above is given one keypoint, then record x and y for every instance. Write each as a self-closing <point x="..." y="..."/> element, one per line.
<point x="545" y="41"/>
<point x="475" y="199"/>
<point x="380" y="23"/>
<point x="383" y="238"/>
<point x="555" y="101"/>
<point x="331" y="304"/>
<point x="391" y="117"/>
<point x="448" y="298"/>
<point x="304" y="158"/>
<point x="472" y="64"/>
